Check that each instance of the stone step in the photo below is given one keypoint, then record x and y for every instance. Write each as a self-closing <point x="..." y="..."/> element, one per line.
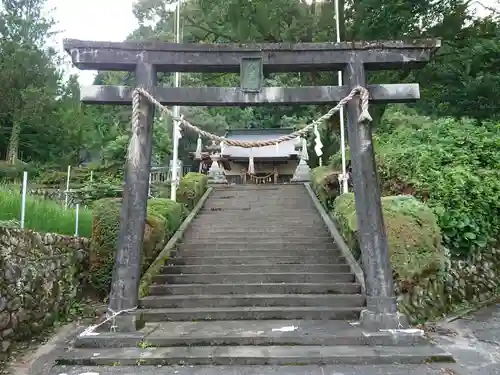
<point x="263" y="215"/>
<point x="259" y="257"/>
<point x="261" y="242"/>
<point x="245" y="268"/>
<point x="229" y="233"/>
<point x="241" y="278"/>
<point x="257" y="238"/>
<point x="249" y="332"/>
<point x="254" y="355"/>
<point x="308" y="255"/>
<point x="262" y="220"/>
<point x="251" y="208"/>
<point x="248" y="300"/>
<point x="291" y="288"/>
<point x="397" y="369"/>
<point x="250" y="313"/>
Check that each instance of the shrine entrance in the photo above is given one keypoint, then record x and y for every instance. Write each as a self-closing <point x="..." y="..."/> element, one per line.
<point x="253" y="61"/>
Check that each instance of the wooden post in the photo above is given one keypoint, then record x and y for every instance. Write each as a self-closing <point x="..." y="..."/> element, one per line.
<point x="381" y="312"/>
<point x="127" y="272"/>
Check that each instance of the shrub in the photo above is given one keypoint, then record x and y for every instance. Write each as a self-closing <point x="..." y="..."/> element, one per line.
<point x="454" y="166"/>
<point x="413" y="235"/>
<point x="325" y="183"/>
<point x="163" y="219"/>
<point x="94" y="191"/>
<point x="14" y="172"/>
<point x="161" y="190"/>
<point x="44" y="215"/>
<point x="191" y="188"/>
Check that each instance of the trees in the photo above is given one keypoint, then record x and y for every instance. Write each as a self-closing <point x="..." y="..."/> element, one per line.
<point x="37" y="104"/>
<point x="27" y="69"/>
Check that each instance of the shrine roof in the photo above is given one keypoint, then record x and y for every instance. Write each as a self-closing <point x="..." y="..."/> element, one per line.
<point x="284" y="149"/>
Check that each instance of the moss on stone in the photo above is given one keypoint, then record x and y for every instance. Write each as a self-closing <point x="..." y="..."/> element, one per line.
<point x="40" y="278"/>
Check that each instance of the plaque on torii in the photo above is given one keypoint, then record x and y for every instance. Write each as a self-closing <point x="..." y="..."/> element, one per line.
<point x="253" y="61"/>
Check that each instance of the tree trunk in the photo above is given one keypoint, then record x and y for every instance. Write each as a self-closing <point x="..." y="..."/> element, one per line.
<point x="13" y="148"/>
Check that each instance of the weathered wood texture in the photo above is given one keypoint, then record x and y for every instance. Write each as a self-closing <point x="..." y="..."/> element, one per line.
<point x="284" y="57"/>
<point x="234" y="96"/>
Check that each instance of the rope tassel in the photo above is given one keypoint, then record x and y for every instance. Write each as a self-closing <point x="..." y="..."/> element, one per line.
<point x="197" y="154"/>
<point x="318" y="145"/>
<point x="251" y="166"/>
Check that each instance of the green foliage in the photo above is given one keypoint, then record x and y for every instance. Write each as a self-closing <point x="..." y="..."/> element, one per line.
<point x="173" y="213"/>
<point x="325" y="183"/>
<point x="163" y="219"/>
<point x="413" y="235"/>
<point x="455" y="167"/>
<point x="44" y="215"/>
<point x="105" y="228"/>
<point x="191" y="188"/>
<point x="94" y="191"/>
<point x="14" y="172"/>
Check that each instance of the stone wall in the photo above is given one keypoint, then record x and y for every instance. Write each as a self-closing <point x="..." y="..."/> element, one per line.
<point x="41" y="275"/>
<point x="461" y="284"/>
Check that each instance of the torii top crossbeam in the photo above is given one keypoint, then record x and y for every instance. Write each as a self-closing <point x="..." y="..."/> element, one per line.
<point x="277" y="57"/>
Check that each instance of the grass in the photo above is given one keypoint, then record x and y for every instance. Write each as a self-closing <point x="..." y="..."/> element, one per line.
<point x="44" y="215"/>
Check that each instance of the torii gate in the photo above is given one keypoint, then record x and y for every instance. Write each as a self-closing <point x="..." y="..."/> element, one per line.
<point x="253" y="61"/>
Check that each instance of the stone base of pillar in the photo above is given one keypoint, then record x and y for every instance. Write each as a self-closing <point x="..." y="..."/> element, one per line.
<point x="381" y="313"/>
<point x="375" y="321"/>
<point x="126" y="322"/>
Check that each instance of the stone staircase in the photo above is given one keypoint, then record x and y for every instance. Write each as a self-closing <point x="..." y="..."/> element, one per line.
<point x="258" y="280"/>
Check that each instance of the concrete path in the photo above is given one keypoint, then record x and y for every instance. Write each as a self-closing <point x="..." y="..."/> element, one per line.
<point x="474" y="341"/>
<point x="259" y="370"/>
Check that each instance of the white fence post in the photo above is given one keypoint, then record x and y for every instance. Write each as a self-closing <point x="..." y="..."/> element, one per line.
<point x="67" y="188"/>
<point x="23" y="198"/>
<point x="77" y="217"/>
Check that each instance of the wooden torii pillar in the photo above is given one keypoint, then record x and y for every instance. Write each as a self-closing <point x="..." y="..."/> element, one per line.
<point x="253" y="61"/>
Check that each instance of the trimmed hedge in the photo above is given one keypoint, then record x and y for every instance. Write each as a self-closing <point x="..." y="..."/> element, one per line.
<point x="413" y="235"/>
<point x="163" y="219"/>
<point x="191" y="188"/>
<point x="428" y="282"/>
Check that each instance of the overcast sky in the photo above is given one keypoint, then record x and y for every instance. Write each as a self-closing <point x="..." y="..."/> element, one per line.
<point x="107" y="20"/>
